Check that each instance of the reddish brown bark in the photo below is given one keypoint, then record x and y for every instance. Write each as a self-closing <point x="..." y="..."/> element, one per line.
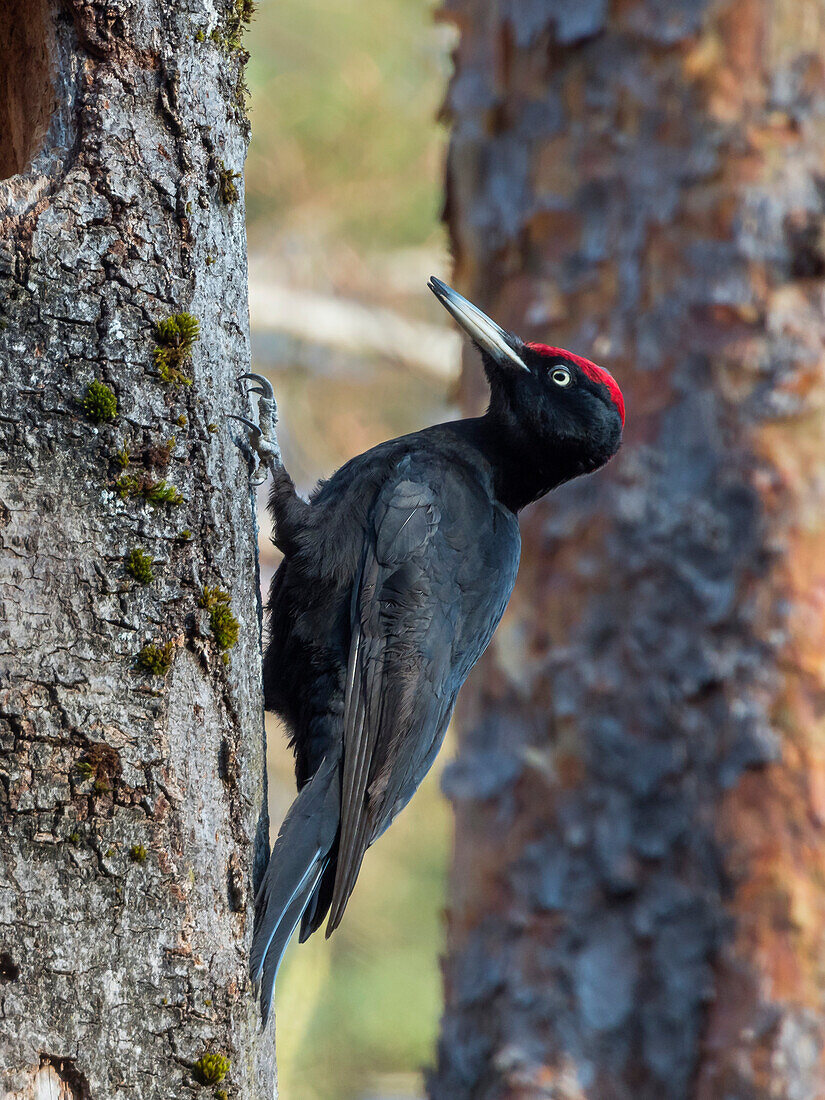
<point x="638" y="894"/>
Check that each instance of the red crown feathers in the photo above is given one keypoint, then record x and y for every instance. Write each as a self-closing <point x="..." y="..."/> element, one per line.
<point x="593" y="372"/>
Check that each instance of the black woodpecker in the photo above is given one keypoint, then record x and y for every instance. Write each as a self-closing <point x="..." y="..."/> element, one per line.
<point x="395" y="575"/>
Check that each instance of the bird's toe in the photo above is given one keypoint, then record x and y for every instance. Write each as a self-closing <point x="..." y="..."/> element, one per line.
<point x="254" y="430"/>
<point x="262" y="386"/>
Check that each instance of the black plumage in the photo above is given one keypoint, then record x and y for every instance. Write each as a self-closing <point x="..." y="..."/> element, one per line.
<point x="395" y="576"/>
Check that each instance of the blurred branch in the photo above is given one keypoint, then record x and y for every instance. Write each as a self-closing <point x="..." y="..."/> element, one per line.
<point x="353" y="327"/>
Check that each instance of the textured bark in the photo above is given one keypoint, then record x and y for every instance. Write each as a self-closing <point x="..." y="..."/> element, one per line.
<point x="132" y="803"/>
<point x="638" y="893"/>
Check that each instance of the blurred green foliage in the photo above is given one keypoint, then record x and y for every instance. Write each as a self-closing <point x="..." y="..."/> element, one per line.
<point x="346" y="154"/>
<point x="344" y="101"/>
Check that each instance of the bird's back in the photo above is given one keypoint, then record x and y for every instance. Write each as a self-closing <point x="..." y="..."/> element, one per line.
<point x="468" y="566"/>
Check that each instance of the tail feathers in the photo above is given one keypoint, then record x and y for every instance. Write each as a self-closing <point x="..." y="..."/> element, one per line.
<point x="297" y="862"/>
<point x="320" y="901"/>
<point x="282" y="935"/>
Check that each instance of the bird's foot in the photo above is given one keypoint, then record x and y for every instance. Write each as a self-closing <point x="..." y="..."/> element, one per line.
<point x="261" y="436"/>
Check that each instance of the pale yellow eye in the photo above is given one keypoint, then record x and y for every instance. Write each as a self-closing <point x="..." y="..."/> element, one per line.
<point x="561" y="376"/>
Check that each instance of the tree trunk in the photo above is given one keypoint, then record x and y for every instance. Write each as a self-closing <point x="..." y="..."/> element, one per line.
<point x="638" y="892"/>
<point x="132" y="773"/>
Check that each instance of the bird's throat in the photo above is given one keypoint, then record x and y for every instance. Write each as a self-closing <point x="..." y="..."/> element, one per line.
<point x="522" y="471"/>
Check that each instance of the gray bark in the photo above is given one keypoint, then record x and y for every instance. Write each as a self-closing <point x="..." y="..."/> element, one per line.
<point x="132" y="803"/>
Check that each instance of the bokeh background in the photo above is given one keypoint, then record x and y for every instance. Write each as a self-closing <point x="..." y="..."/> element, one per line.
<point x="636" y="901"/>
<point x="344" y="187"/>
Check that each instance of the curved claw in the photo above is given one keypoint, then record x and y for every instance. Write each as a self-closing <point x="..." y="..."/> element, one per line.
<point x="246" y="422"/>
<point x="264" y="386"/>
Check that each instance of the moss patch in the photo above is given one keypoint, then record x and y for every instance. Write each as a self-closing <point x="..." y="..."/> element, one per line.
<point x="158" y="455"/>
<point x="155" y="659"/>
<point x="211" y="1068"/>
<point x="239" y="18"/>
<point x="138" y="853"/>
<point x="227" y="188"/>
<point x="175" y="337"/>
<point x="155" y="492"/>
<point x="99" y="402"/>
<point x="140" y="566"/>
<point x="223" y="624"/>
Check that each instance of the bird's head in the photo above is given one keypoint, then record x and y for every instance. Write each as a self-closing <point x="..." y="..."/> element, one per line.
<point x="566" y="411"/>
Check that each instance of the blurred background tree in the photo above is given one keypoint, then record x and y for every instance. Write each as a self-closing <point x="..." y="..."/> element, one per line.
<point x="638" y="892"/>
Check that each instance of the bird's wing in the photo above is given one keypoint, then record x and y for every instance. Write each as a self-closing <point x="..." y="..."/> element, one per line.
<point x="390" y="686"/>
<point x="433" y="583"/>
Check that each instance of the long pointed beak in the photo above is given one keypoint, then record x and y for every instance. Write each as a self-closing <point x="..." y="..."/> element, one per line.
<point x="489" y="336"/>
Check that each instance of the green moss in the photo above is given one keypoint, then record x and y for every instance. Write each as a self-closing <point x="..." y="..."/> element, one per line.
<point x="101" y="786"/>
<point x="223" y="624"/>
<point x="238" y="19"/>
<point x="74" y="838"/>
<point x="127" y="485"/>
<point x="173" y="376"/>
<point x="185" y="535"/>
<point x="155" y="492"/>
<point x="225" y="627"/>
<point x="175" y="337"/>
<point x="181" y="421"/>
<point x="242" y="94"/>
<point x="162" y="493"/>
<point x="123" y="458"/>
<point x="180" y="332"/>
<point x="212" y="597"/>
<point x="212" y="428"/>
<point x="227" y="188"/>
<point x="155" y="659"/>
<point x="110" y="852"/>
<point x="84" y="769"/>
<point x="140" y="566"/>
<point x="200" y="36"/>
<point x="138" y="853"/>
<point x="221" y="1094"/>
<point x="211" y="1068"/>
<point x="99" y="402"/>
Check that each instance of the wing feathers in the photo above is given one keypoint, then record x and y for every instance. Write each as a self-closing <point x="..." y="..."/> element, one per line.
<point x="386" y="609"/>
